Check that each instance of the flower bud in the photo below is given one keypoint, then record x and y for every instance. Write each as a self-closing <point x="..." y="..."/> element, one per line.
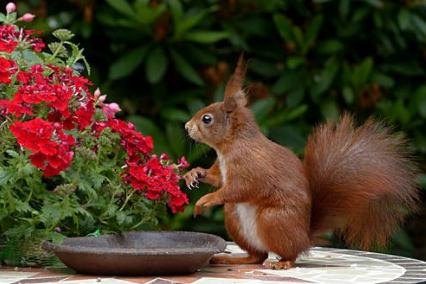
<point x="97" y="93"/>
<point x="102" y="98"/>
<point x="10" y="7"/>
<point x="27" y="17"/>
<point x="183" y="163"/>
<point x="164" y="156"/>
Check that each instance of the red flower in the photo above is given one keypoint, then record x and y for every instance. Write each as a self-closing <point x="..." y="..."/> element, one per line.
<point x="50" y="146"/>
<point x="8" y="38"/>
<point x="157" y="180"/>
<point x="23" y="77"/>
<point x="8" y="46"/>
<point x="134" y="142"/>
<point x="7" y="68"/>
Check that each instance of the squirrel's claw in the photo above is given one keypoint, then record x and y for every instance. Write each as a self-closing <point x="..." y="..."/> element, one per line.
<point x="192" y="178"/>
<point x="197" y="210"/>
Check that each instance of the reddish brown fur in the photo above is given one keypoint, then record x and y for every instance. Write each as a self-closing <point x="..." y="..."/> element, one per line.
<point x="357" y="181"/>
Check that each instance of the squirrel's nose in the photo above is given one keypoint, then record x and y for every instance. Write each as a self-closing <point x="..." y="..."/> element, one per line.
<point x="187" y="126"/>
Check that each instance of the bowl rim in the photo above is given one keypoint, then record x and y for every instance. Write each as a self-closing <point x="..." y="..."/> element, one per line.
<point x="81" y="249"/>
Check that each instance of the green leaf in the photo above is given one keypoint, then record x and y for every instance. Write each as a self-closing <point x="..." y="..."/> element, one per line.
<point x="176" y="138"/>
<point x="348" y="95"/>
<point x="58" y="49"/>
<point x="156" y="65"/>
<point x="127" y="63"/>
<point x="5" y="176"/>
<point x="419" y="23"/>
<point x="122" y="6"/>
<point x="95" y="234"/>
<point x="284" y="116"/>
<point x="262" y="108"/>
<point x="146" y="15"/>
<point x="185" y="69"/>
<point x="63" y="34"/>
<point x="404" y="19"/>
<point x="289" y="80"/>
<point x="188" y="22"/>
<point x="362" y="73"/>
<point x="294" y="62"/>
<point x="57" y="238"/>
<point x="329" y="47"/>
<point x="206" y="36"/>
<point x="421" y="180"/>
<point x="121" y="217"/>
<point x="312" y="32"/>
<point x="330" y="110"/>
<point x="176" y="9"/>
<point x="344" y="6"/>
<point x="325" y="78"/>
<point x="174" y="114"/>
<point x="420" y="100"/>
<point x="403" y="240"/>
<point x="290" y="136"/>
<point x="295" y="97"/>
<point x="264" y="68"/>
<point x="195" y="105"/>
<point x="12" y="153"/>
<point x="284" y="27"/>
<point x="383" y="80"/>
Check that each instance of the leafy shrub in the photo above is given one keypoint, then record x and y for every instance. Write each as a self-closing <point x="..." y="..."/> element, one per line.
<point x="308" y="61"/>
<point x="68" y="167"/>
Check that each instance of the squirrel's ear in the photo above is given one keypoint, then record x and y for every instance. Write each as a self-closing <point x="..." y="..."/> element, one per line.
<point x="233" y="91"/>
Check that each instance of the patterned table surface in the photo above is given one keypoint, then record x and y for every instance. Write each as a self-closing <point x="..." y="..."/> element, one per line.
<point x="320" y="265"/>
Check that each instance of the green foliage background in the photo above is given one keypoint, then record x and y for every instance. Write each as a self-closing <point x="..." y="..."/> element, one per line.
<point x="309" y="61"/>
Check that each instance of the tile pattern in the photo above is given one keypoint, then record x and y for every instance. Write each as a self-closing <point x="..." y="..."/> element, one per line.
<point x="320" y="265"/>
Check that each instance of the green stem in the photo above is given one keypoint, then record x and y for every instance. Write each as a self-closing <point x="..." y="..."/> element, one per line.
<point x="61" y="44"/>
<point x="127" y="200"/>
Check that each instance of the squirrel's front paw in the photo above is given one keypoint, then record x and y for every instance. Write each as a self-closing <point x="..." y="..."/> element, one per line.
<point x="192" y="178"/>
<point x="206" y="201"/>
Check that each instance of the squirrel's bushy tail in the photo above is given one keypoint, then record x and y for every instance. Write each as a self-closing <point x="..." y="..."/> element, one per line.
<point x="362" y="181"/>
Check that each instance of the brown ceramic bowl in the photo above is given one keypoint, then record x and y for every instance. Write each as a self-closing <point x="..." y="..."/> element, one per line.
<point x="138" y="253"/>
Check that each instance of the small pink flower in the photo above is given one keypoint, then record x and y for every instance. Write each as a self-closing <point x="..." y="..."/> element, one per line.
<point x="97" y="93"/>
<point x="102" y="98"/>
<point x="10" y="7"/>
<point x="110" y="110"/>
<point x="27" y="17"/>
<point x="183" y="163"/>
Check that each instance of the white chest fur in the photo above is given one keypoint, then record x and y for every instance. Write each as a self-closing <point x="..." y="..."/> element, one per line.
<point x="222" y="167"/>
<point x="247" y="214"/>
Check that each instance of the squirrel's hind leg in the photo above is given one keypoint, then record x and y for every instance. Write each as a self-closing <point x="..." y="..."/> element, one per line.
<point x="286" y="233"/>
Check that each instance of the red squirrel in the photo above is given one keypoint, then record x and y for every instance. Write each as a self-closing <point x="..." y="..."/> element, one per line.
<point x="357" y="181"/>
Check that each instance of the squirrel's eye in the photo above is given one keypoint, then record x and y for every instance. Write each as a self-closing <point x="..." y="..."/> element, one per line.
<point x="207" y="119"/>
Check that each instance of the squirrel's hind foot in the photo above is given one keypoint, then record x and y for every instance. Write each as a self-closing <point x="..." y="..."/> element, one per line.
<point x="278" y="265"/>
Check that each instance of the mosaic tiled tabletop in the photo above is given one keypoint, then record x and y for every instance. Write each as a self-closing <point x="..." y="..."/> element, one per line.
<point x="320" y="265"/>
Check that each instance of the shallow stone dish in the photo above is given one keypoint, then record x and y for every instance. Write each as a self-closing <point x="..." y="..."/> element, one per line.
<point x="138" y="253"/>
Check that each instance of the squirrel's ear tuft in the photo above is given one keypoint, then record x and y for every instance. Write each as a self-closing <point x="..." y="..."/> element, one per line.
<point x="233" y="91"/>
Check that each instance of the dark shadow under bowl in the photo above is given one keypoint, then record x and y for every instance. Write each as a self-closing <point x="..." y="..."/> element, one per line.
<point x="138" y="253"/>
